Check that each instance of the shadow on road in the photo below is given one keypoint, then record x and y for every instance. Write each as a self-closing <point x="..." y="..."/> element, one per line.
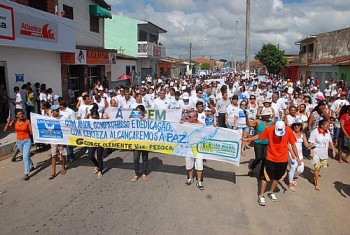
<point x="155" y="164"/>
<point x="343" y="189"/>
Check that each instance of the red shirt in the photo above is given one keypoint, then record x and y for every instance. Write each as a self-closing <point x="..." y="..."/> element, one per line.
<point x="277" y="149"/>
<point x="346" y="119"/>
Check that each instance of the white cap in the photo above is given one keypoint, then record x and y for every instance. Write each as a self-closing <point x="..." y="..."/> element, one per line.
<point x="185" y="96"/>
<point x="280" y="128"/>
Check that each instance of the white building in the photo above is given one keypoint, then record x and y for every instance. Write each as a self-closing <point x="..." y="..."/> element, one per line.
<point x="31" y="41"/>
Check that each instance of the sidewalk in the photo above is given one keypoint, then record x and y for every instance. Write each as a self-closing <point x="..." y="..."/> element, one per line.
<point x="7" y="142"/>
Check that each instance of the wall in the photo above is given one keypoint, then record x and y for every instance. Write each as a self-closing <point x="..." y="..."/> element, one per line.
<point x="333" y="72"/>
<point x="345" y="69"/>
<point x="81" y="18"/>
<point x="120" y="68"/>
<point x="36" y="65"/>
<point x="121" y="31"/>
<point x="333" y="44"/>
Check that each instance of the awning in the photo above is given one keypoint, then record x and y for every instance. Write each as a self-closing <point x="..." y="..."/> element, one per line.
<point x="100" y="11"/>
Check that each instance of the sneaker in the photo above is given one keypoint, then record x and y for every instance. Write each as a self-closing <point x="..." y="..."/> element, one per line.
<point x="272" y="196"/>
<point x="200" y="185"/>
<point x="261" y="200"/>
<point x="189" y="181"/>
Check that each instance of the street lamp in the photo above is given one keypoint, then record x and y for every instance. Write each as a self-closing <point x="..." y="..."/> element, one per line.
<point x="247" y="40"/>
<point x="235" y="48"/>
<point x="191" y="54"/>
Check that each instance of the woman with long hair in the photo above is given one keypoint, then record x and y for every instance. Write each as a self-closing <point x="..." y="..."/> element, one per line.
<point x="24" y="130"/>
<point x="319" y="113"/>
<point x="94" y="114"/>
<point x="140" y="169"/>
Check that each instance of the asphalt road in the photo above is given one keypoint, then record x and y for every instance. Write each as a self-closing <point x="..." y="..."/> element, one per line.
<point x="79" y="203"/>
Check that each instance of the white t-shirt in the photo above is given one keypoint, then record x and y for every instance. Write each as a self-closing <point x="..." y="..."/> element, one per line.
<point x="126" y="104"/>
<point x="230" y="111"/>
<point x="201" y="117"/>
<point x="321" y="143"/>
<point x="187" y="106"/>
<point x="161" y="104"/>
<point x="241" y="121"/>
<point x="82" y="110"/>
<point x="68" y="113"/>
<point x="18" y="99"/>
<point x="336" y="104"/>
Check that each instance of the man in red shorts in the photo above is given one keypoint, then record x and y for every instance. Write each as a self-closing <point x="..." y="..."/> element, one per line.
<point x="279" y="136"/>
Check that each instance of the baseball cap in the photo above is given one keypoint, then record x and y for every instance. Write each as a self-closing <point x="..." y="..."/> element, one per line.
<point x="280" y="128"/>
<point x="185" y="96"/>
<point x="54" y="107"/>
<point x="342" y="93"/>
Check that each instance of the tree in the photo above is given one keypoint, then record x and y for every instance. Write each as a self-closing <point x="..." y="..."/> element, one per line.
<point x="205" y="66"/>
<point x="272" y="57"/>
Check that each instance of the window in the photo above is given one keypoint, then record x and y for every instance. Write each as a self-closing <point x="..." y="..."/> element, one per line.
<point x="303" y="49"/>
<point x="310" y="47"/>
<point x="68" y="12"/>
<point x="127" y="70"/>
<point x="94" y="24"/>
<point x="38" y="4"/>
<point x="142" y="36"/>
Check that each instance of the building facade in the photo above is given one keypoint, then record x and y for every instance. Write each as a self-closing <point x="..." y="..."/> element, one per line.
<point x="325" y="56"/>
<point x="138" y="39"/>
<point x="31" y="38"/>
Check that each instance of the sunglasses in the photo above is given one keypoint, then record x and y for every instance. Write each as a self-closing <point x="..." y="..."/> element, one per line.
<point x="192" y="116"/>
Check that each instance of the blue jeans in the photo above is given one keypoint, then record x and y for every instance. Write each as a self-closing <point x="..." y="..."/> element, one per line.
<point x="99" y="162"/>
<point x="24" y="147"/>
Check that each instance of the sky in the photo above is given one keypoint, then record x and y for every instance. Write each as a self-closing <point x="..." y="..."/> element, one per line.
<point x="215" y="26"/>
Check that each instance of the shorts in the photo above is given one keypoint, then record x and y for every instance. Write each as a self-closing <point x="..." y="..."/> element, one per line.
<point x="318" y="162"/>
<point x="274" y="170"/>
<point x="197" y="162"/>
<point x="58" y="149"/>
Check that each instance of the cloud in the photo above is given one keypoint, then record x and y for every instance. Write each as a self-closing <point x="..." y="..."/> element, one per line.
<point x="272" y="21"/>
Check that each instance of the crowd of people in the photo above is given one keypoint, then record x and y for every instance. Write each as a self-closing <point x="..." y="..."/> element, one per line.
<point x="284" y="121"/>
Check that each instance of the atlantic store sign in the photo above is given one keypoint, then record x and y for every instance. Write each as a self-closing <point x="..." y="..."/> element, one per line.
<point x="26" y="27"/>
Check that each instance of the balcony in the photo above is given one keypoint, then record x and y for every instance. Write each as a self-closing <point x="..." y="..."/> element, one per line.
<point x="148" y="49"/>
<point x="306" y="58"/>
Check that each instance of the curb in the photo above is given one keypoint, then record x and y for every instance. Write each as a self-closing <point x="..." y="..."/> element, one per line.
<point x="5" y="150"/>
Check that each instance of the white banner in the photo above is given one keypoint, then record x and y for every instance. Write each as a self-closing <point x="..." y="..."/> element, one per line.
<point x="186" y="139"/>
<point x="171" y="115"/>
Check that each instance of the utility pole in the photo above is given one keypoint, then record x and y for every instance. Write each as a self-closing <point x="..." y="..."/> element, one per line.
<point x="247" y="40"/>
<point x="190" y="58"/>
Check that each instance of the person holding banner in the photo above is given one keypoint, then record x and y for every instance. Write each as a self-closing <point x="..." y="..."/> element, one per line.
<point x="57" y="149"/>
<point x="94" y="114"/>
<point x="137" y="153"/>
<point x="279" y="137"/>
<point x="24" y="143"/>
<point x="196" y="163"/>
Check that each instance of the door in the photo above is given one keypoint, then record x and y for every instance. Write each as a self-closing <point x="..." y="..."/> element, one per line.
<point x="3" y="93"/>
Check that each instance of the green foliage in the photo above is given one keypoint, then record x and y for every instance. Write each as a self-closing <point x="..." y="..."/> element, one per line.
<point x="272" y="58"/>
<point x="205" y="66"/>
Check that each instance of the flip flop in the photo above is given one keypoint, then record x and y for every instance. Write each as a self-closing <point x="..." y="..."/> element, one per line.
<point x="291" y="188"/>
<point x="135" y="178"/>
<point x="144" y="177"/>
<point x="52" y="177"/>
<point x="63" y="172"/>
<point x="294" y="183"/>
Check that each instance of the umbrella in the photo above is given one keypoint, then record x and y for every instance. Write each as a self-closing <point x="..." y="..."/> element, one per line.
<point x="124" y="77"/>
